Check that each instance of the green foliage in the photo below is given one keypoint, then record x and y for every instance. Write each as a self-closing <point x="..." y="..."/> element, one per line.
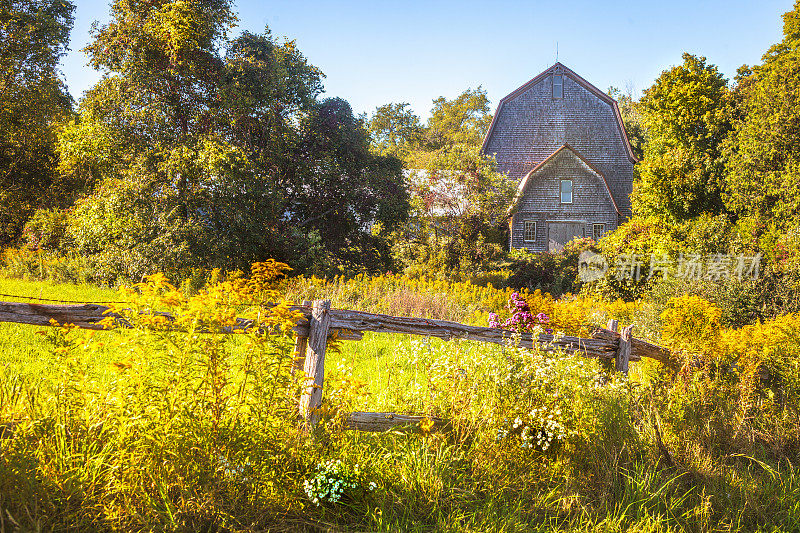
<point x="460" y="203"/>
<point x="458" y="198"/>
<point x="555" y="273"/>
<point x="685" y="114"/>
<point x="394" y="130"/>
<point x="631" y="111"/>
<point x="204" y="161"/>
<point x="463" y="120"/>
<point x="33" y="100"/>
<point x="763" y="159"/>
<point x="334" y="481"/>
<point x="45" y="229"/>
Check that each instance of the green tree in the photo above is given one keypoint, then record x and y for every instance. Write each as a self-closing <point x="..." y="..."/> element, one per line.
<point x="763" y="151"/>
<point x="630" y="110"/>
<point x="458" y="198"/>
<point x="686" y="117"/>
<point x="394" y="130"/>
<point x="463" y="120"/>
<point x="204" y="160"/>
<point x="145" y="136"/>
<point x="33" y="101"/>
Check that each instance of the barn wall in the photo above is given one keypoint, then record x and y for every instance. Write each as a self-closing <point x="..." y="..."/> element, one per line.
<point x="541" y="200"/>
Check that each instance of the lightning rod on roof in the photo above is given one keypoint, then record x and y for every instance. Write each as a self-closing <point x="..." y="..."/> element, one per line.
<point x="556" y="51"/>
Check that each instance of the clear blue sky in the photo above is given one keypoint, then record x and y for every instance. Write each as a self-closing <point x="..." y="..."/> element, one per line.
<point x="376" y="52"/>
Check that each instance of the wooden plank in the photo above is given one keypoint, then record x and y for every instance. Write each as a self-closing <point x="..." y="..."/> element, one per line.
<point x="311" y="400"/>
<point x="84" y="316"/>
<point x="604" y="343"/>
<point x="444" y="329"/>
<point x="639" y="348"/>
<point x="87" y="316"/>
<point x="624" y="352"/>
<point x="344" y="322"/>
<point x="378" y="422"/>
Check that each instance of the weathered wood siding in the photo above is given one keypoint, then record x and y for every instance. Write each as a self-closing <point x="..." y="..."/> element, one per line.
<point x="530" y="125"/>
<point x="541" y="200"/>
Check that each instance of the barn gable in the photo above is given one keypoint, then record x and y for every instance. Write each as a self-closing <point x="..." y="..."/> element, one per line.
<point x="545" y="214"/>
<point x="557" y="159"/>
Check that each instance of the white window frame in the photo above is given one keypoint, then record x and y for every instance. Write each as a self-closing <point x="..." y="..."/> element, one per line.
<point x="595" y="234"/>
<point x="561" y="191"/>
<point x="525" y="225"/>
<point x="560" y="85"/>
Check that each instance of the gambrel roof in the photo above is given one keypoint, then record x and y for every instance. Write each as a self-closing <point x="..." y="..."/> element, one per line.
<point x="532" y="123"/>
<point x="523" y="185"/>
<point x="561" y="69"/>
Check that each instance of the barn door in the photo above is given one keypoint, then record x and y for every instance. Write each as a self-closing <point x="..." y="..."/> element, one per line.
<point x="560" y="233"/>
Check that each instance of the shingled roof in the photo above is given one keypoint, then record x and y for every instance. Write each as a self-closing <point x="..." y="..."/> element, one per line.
<point x="531" y="123"/>
<point x="578" y="79"/>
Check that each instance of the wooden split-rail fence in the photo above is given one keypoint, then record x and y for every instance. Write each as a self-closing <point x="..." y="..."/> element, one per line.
<point x="321" y="322"/>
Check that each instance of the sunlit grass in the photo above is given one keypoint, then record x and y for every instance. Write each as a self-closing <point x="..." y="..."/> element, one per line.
<point x="174" y="470"/>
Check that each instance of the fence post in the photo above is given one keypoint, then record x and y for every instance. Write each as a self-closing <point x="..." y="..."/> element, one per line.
<point x="624" y="351"/>
<point x="314" y="366"/>
<point x="300" y="346"/>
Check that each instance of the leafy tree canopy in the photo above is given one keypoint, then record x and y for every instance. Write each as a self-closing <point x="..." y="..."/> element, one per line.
<point x="202" y="160"/>
<point x="459" y="199"/>
<point x="631" y="113"/>
<point x="763" y="151"/>
<point x="395" y="130"/>
<point x="33" y="100"/>
<point x="686" y="117"/>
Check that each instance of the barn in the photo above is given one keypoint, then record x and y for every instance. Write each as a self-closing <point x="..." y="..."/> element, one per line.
<point x="562" y="139"/>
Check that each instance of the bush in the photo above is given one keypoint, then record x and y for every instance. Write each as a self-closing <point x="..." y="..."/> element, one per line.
<point x="554" y="273"/>
<point x="45" y="230"/>
<point x="43" y="265"/>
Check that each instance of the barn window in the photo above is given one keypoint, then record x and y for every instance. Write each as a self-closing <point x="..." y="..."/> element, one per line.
<point x="529" y="235"/>
<point x="558" y="86"/>
<point x="598" y="230"/>
<point x="566" y="191"/>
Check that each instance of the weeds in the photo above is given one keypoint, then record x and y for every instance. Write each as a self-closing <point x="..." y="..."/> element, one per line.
<point x="170" y="426"/>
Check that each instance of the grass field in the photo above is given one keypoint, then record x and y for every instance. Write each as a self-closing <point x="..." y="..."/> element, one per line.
<point x="150" y="430"/>
<point x="380" y="361"/>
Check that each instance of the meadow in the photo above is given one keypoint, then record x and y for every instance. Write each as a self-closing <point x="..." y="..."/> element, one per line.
<point x="160" y="427"/>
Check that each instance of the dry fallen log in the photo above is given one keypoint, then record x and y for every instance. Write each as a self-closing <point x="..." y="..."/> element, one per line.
<point x="377" y="422"/>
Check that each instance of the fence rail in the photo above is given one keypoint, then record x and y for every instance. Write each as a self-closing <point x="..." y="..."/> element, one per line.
<point x="321" y="322"/>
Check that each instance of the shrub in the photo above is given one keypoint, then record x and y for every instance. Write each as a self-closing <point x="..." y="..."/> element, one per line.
<point x="691" y="323"/>
<point x="45" y="230"/>
<point x="334" y="481"/>
<point x="555" y="273"/>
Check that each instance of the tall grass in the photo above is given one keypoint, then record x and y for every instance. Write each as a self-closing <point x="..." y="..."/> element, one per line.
<point x="160" y="428"/>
